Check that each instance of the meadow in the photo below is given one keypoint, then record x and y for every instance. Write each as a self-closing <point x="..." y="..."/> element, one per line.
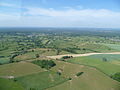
<point x="109" y="67"/>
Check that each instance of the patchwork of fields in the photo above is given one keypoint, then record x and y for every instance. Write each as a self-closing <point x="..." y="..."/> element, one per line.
<point x="92" y="60"/>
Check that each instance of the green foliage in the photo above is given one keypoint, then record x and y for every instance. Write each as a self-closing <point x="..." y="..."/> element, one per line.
<point x="116" y="76"/>
<point x="37" y="55"/>
<point x="69" y="78"/>
<point x="96" y="61"/>
<point x="47" y="64"/>
<point x="59" y="73"/>
<point x="80" y="73"/>
<point x="105" y="59"/>
<point x="67" y="57"/>
<point x="71" y="50"/>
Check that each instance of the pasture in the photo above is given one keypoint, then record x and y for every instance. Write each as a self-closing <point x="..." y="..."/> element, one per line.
<point x="111" y="66"/>
<point x="6" y="84"/>
<point x="41" y="81"/>
<point x="91" y="79"/>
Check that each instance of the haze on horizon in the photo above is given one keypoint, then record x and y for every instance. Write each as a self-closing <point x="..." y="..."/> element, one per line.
<point x="62" y="13"/>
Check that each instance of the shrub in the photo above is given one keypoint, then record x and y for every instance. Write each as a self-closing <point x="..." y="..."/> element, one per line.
<point x="67" y="57"/>
<point x="59" y="73"/>
<point x="37" y="55"/>
<point x="69" y="78"/>
<point x="116" y="76"/>
<point x="80" y="73"/>
<point x="105" y="59"/>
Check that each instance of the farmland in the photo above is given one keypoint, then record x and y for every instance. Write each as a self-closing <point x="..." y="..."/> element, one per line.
<point x="6" y="84"/>
<point x="98" y="62"/>
<point x="59" y="58"/>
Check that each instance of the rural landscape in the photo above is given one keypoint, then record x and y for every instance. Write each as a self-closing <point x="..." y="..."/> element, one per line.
<point x="59" y="44"/>
<point x="59" y="59"/>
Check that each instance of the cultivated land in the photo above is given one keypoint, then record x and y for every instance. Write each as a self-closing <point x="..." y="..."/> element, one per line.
<point x="84" y="59"/>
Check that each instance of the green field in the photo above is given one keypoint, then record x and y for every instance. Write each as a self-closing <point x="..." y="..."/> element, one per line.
<point x="91" y="79"/>
<point x="41" y="81"/>
<point x="111" y="66"/>
<point x="114" y="46"/>
<point x="19" y="69"/>
<point x="6" y="84"/>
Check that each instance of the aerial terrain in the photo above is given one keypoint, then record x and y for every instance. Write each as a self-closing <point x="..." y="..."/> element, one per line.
<point x="59" y="59"/>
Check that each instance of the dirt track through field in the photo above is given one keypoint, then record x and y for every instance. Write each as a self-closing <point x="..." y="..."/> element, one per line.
<point x="79" y="55"/>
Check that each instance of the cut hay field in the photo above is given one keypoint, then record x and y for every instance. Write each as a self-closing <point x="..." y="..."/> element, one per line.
<point x="19" y="69"/>
<point x="111" y="66"/>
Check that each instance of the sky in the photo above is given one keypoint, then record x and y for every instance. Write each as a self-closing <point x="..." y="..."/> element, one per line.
<point x="60" y="13"/>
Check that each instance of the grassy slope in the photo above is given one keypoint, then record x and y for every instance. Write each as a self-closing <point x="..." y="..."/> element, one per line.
<point x="110" y="67"/>
<point x="41" y="81"/>
<point x="113" y="46"/>
<point x="6" y="84"/>
<point x="91" y="79"/>
<point x="19" y="69"/>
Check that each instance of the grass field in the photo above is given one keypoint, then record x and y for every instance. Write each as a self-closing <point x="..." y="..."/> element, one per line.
<point x="91" y="79"/>
<point x="114" y="46"/>
<point x="19" y="69"/>
<point x="111" y="66"/>
<point x="6" y="84"/>
<point x="4" y="60"/>
<point x="41" y="81"/>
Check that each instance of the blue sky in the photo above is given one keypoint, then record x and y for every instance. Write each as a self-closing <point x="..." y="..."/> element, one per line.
<point x="60" y="13"/>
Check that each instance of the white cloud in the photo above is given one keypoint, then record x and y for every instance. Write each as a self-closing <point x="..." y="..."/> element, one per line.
<point x="10" y="5"/>
<point x="60" y="18"/>
<point x="71" y="12"/>
<point x="6" y="4"/>
<point x="14" y="16"/>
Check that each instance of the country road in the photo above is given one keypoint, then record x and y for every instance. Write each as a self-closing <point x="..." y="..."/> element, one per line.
<point x="78" y="55"/>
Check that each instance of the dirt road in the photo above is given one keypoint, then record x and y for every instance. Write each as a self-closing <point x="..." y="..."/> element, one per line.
<point x="78" y="55"/>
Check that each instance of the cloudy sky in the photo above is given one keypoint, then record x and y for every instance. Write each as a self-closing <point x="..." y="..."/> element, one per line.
<point x="60" y="13"/>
